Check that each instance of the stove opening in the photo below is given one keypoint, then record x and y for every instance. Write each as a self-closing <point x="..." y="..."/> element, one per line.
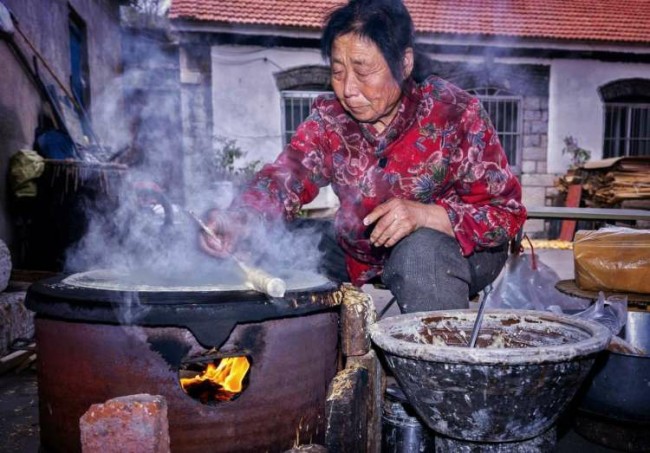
<point x="215" y="380"/>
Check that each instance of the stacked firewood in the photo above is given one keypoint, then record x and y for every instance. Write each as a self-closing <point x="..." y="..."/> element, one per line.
<point x="619" y="182"/>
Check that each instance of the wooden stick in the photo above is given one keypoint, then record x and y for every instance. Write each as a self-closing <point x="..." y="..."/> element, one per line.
<point x="258" y="279"/>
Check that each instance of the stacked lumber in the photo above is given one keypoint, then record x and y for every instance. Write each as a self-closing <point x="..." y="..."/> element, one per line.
<point x="616" y="182"/>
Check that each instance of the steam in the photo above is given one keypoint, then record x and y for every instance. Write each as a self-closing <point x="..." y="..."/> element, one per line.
<point x="140" y="227"/>
<point x="156" y="243"/>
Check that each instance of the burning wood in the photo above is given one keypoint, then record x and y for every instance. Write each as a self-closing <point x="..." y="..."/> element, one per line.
<point x="221" y="382"/>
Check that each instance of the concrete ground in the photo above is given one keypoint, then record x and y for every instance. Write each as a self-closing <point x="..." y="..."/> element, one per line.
<point x="19" y="399"/>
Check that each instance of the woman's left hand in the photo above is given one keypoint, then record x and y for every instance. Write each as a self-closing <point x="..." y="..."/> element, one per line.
<point x="397" y="218"/>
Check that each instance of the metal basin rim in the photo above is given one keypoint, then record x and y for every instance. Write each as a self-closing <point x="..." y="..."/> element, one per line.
<point x="599" y="337"/>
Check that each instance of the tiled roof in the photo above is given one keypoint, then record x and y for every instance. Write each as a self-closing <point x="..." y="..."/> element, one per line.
<point x="600" y="20"/>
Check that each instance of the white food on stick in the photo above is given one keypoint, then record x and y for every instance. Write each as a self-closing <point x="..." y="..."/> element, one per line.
<point x="257" y="279"/>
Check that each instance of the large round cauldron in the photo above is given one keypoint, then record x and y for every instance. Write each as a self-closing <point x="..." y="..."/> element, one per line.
<point x="98" y="340"/>
<point x="526" y="368"/>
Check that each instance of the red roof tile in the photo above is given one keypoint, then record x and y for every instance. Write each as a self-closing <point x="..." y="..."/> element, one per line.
<point x="599" y="20"/>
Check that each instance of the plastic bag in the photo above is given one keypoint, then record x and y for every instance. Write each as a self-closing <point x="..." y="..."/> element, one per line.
<point x="526" y="283"/>
<point x="610" y="312"/>
<point x="612" y="259"/>
<point x="25" y="167"/>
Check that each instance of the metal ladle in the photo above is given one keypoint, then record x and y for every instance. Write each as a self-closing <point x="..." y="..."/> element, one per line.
<point x="479" y="316"/>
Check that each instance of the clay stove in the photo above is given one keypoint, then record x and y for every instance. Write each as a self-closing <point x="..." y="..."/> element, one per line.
<point x="102" y="335"/>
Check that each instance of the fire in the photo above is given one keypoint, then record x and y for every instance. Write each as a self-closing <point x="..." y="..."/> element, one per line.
<point x="218" y="383"/>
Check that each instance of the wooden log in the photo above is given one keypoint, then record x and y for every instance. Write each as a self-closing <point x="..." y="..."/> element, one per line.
<point x="374" y="403"/>
<point x="346" y="405"/>
<point x="357" y="314"/>
<point x="573" y="200"/>
<point x="17" y="359"/>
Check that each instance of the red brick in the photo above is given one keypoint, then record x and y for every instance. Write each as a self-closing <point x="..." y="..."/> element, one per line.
<point x="128" y="424"/>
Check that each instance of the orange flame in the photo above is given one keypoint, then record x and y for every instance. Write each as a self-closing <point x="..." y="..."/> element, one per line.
<point x="218" y="383"/>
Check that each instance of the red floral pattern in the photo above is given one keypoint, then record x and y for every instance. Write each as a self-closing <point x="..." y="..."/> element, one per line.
<point x="440" y="148"/>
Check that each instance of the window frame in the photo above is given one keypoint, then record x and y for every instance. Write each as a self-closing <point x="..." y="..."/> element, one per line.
<point x="79" y="58"/>
<point x="621" y="145"/>
<point x="295" y="94"/>
<point x="489" y="94"/>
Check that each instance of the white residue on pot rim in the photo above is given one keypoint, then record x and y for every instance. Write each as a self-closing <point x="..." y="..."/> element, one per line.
<point x="497" y="331"/>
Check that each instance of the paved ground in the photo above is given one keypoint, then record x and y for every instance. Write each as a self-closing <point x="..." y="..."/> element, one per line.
<point x="19" y="412"/>
<point x="19" y="399"/>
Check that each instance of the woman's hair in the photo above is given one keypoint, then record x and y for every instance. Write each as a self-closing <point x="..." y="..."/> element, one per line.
<point x="387" y="23"/>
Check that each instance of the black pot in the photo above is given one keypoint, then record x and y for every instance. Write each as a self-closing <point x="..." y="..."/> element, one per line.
<point x="619" y="384"/>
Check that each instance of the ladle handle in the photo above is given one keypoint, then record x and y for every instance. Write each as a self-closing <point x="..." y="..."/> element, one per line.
<point x="258" y="279"/>
<point x="479" y="317"/>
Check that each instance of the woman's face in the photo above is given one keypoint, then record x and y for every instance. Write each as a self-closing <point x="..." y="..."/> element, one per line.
<point x="363" y="82"/>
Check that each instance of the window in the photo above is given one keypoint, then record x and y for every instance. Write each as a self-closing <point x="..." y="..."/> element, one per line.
<point x="504" y="111"/>
<point x="627" y="118"/>
<point x="296" y="106"/>
<point x="79" y="68"/>
<point x="627" y="129"/>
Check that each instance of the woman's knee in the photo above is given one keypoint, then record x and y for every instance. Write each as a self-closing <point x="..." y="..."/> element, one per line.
<point x="423" y="258"/>
<point x="424" y="248"/>
<point x="426" y="271"/>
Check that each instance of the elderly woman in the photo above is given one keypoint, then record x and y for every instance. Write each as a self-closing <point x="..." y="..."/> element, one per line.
<point x="427" y="200"/>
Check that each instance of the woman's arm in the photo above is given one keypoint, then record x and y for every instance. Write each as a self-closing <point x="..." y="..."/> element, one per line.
<point x="281" y="188"/>
<point x="486" y="210"/>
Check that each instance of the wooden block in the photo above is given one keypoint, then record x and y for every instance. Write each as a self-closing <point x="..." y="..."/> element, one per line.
<point x="357" y="314"/>
<point x="374" y="403"/>
<point x="346" y="405"/>
<point x="14" y="360"/>
<point x="573" y="201"/>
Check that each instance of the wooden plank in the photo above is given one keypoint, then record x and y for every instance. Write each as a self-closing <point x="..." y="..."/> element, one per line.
<point x="572" y="201"/>
<point x="17" y="358"/>
<point x="554" y="212"/>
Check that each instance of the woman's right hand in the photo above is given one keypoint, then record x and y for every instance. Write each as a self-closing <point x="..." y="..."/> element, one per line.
<point x="226" y="229"/>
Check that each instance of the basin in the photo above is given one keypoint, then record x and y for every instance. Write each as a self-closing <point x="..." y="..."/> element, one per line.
<point x="525" y="369"/>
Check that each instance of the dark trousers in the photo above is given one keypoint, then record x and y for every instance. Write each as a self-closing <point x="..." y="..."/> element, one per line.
<point x="425" y="271"/>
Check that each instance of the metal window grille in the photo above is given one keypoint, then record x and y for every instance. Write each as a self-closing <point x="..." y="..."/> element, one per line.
<point x="505" y="112"/>
<point x="296" y="106"/>
<point x="627" y="130"/>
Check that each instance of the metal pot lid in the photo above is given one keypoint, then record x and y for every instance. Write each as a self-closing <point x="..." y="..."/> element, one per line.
<point x="147" y="281"/>
<point x="210" y="314"/>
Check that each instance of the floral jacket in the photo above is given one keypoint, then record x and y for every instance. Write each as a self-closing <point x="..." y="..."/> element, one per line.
<point x="439" y="148"/>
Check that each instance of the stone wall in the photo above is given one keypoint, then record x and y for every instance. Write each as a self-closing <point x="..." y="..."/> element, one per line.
<point x="538" y="184"/>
